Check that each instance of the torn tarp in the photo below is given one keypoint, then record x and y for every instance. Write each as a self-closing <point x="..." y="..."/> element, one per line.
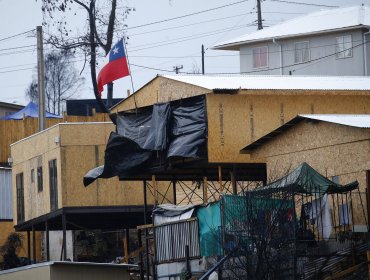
<point x="176" y="129"/>
<point x="148" y="129"/>
<point x="117" y="164"/>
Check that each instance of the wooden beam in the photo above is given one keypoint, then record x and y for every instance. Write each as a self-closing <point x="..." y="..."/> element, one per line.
<point x="205" y="190"/>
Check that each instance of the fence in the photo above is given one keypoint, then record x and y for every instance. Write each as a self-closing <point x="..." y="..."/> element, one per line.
<point x="171" y="240"/>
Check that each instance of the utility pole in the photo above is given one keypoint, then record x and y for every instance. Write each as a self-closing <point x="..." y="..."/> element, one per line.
<point x="259" y="15"/>
<point x="203" y="59"/>
<point x="177" y="68"/>
<point x="41" y="78"/>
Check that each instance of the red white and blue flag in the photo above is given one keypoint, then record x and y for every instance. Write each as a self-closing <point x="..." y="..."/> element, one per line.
<point x="116" y="68"/>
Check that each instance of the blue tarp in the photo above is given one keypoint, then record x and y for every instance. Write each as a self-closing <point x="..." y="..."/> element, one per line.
<point x="30" y="111"/>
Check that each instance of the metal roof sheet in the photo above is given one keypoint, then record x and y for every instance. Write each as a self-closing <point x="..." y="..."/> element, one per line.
<point x="230" y="82"/>
<point x="316" y="22"/>
<point x="362" y="121"/>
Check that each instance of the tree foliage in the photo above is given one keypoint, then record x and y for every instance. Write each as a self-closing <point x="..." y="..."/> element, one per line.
<point x="62" y="81"/>
<point x="10" y="250"/>
<point x="103" y="22"/>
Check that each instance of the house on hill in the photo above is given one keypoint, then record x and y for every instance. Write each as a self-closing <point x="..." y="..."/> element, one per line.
<point x="329" y="42"/>
<point x="337" y="145"/>
<point x="215" y="116"/>
<point x="238" y="109"/>
<point x="9" y="108"/>
<point x="49" y="196"/>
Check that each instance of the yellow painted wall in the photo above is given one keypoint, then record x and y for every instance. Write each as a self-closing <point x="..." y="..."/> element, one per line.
<point x="235" y="121"/>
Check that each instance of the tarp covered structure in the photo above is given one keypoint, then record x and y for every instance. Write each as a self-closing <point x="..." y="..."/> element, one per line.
<point x="151" y="136"/>
<point x="30" y="111"/>
<point x="305" y="179"/>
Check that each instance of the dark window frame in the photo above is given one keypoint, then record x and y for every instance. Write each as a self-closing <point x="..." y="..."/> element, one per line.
<point x="53" y="184"/>
<point x="40" y="179"/>
<point x="19" y="178"/>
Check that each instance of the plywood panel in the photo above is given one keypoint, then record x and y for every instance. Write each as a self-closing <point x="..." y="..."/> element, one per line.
<point x="235" y="121"/>
<point x="159" y="90"/>
<point x="15" y="130"/>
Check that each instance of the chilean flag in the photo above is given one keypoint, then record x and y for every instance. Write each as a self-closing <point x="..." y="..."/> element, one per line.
<point x="116" y="67"/>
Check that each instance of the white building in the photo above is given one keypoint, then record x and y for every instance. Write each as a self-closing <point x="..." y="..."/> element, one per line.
<point x="329" y="42"/>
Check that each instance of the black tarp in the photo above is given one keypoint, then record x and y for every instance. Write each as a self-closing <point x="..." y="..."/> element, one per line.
<point x="177" y="129"/>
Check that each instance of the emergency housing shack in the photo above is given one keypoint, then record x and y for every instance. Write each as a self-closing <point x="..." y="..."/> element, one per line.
<point x="186" y="132"/>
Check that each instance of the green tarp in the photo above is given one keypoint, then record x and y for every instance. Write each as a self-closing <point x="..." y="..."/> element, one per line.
<point x="209" y="220"/>
<point x="305" y="179"/>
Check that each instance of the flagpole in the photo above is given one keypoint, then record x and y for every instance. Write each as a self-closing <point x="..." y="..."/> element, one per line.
<point x="128" y="63"/>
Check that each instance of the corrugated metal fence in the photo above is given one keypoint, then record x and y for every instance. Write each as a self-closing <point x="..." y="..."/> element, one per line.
<point x="6" y="202"/>
<point x="171" y="240"/>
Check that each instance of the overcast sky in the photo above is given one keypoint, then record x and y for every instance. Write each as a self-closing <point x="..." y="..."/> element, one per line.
<point x="161" y="46"/>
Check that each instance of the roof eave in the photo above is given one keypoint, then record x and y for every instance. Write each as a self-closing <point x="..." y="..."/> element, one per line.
<point x="236" y="45"/>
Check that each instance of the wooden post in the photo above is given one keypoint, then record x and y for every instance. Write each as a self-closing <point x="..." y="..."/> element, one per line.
<point x="368" y="259"/>
<point x="47" y="241"/>
<point x="64" y="225"/>
<point x="205" y="190"/>
<point x="125" y="248"/>
<point x="155" y="190"/>
<point x="174" y="192"/>
<point x="233" y="183"/>
<point x="220" y="180"/>
<point x="29" y="246"/>
<point x="33" y="244"/>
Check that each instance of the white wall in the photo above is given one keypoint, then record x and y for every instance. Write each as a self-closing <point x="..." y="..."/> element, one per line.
<point x="320" y="46"/>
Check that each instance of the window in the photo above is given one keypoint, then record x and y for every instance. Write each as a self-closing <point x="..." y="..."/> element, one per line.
<point x="39" y="179"/>
<point x="343" y="47"/>
<point x="53" y="182"/>
<point x="20" y="197"/>
<point x="260" y="57"/>
<point x="32" y="175"/>
<point x="301" y="52"/>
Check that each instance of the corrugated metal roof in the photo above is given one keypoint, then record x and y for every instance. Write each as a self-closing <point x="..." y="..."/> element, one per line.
<point x="362" y="121"/>
<point x="214" y="82"/>
<point x="317" y="22"/>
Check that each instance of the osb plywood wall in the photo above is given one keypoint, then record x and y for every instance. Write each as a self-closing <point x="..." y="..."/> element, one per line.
<point x="157" y="91"/>
<point x="80" y="148"/>
<point x="15" y="130"/>
<point x="331" y="149"/>
<point x="235" y="121"/>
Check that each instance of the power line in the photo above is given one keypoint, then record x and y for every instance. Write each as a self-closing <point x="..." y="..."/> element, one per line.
<point x="152" y="68"/>
<point x="305" y="4"/>
<point x="16" y="35"/>
<point x="15" y="48"/>
<point x="187" y="15"/>
<point x="186" y="25"/>
<point x="183" y="39"/>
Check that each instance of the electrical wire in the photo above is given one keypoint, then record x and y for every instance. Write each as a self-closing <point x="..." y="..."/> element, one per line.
<point x="183" y="39"/>
<point x="16" y="35"/>
<point x="305" y="4"/>
<point x="187" y="15"/>
<point x="186" y="25"/>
